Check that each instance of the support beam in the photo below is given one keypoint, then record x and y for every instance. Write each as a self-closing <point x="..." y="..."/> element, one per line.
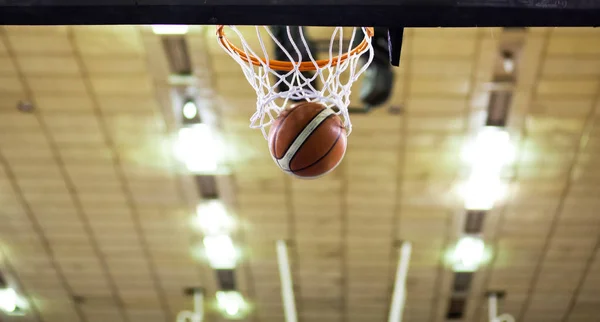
<point x="399" y="295"/>
<point x="287" y="288"/>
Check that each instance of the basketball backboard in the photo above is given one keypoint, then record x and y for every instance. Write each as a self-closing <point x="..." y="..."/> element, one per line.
<point x="382" y="13"/>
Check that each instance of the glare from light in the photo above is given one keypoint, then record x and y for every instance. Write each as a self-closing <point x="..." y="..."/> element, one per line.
<point x="468" y="254"/>
<point x="482" y="191"/>
<point x="213" y="219"/>
<point x="490" y="151"/>
<point x="170" y="29"/>
<point x="508" y="64"/>
<point x="8" y="300"/>
<point x="197" y="148"/>
<point x="231" y="303"/>
<point x="190" y="110"/>
<point x="220" y="251"/>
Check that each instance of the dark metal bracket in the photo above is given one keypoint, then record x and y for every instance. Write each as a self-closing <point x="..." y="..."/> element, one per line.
<point x="395" y="37"/>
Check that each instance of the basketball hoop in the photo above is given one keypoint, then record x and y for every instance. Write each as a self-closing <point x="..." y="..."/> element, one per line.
<point x="336" y="74"/>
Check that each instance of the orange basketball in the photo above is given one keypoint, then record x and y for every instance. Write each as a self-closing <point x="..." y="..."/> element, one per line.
<point x="307" y="140"/>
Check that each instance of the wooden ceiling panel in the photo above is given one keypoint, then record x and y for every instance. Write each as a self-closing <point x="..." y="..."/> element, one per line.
<point x="571" y="67"/>
<point x="468" y="33"/>
<point x="102" y="314"/>
<point x="38" y="40"/>
<point x="122" y="85"/>
<point x="63" y="85"/>
<point x="451" y="86"/>
<point x="6" y="65"/>
<point x="128" y="102"/>
<point x="102" y="65"/>
<point x="40" y="65"/>
<point x="108" y="40"/>
<point x="427" y="105"/>
<point x="75" y="122"/>
<point x="441" y="67"/>
<point x="146" y="315"/>
<point x="51" y="103"/>
<point x="561" y="106"/>
<point x="443" y="47"/>
<point x="559" y="45"/>
<point x="233" y="87"/>
<point x="10" y="85"/>
<point x="451" y="123"/>
<point x="570" y="88"/>
<point x="3" y="49"/>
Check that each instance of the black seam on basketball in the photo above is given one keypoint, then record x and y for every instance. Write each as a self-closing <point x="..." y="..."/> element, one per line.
<point x="279" y="127"/>
<point x="324" y="155"/>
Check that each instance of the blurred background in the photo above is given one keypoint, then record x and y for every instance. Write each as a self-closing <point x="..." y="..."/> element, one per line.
<point x="129" y="175"/>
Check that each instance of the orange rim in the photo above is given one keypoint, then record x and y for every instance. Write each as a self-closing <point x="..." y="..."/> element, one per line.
<point x="286" y="65"/>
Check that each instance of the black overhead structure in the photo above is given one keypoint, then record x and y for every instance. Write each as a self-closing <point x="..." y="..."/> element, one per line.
<point x="379" y="13"/>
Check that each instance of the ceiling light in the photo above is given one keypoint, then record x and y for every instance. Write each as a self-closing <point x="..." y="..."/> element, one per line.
<point x="170" y="29"/>
<point x="490" y="151"/>
<point x="197" y="148"/>
<point x="8" y="300"/>
<point x="231" y="304"/>
<point x="509" y="65"/>
<point x="508" y="62"/>
<point x="213" y="219"/>
<point x="220" y="251"/>
<point x="468" y="254"/>
<point x="482" y="191"/>
<point x="190" y="110"/>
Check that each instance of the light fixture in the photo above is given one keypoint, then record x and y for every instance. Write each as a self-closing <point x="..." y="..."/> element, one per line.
<point x="197" y="148"/>
<point x="189" y="110"/>
<point x="231" y="304"/>
<point x="8" y="300"/>
<point x="508" y="62"/>
<point x="213" y="219"/>
<point x="487" y="155"/>
<point x="220" y="251"/>
<point x="170" y="29"/>
<point x="468" y="254"/>
<point x="490" y="151"/>
<point x="482" y="191"/>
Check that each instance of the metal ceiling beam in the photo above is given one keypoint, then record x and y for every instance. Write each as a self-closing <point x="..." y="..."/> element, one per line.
<point x="383" y="13"/>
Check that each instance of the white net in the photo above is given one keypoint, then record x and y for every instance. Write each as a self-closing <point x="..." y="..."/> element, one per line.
<point x="336" y="74"/>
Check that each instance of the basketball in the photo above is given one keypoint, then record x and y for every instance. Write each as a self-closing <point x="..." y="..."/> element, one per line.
<point x="307" y="140"/>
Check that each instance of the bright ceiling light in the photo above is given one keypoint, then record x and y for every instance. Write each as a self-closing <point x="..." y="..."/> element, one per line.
<point x="490" y="151"/>
<point x="508" y="62"/>
<point x="190" y="110"/>
<point x="170" y="29"/>
<point x="197" y="148"/>
<point x="468" y="254"/>
<point x="220" y="251"/>
<point x="509" y="65"/>
<point x="482" y="191"/>
<point x="8" y="300"/>
<point x="212" y="217"/>
<point x="231" y="304"/>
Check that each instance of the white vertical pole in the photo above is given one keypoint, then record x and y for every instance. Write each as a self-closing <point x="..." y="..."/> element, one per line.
<point x="399" y="295"/>
<point x="198" y="314"/>
<point x="492" y="307"/>
<point x="287" y="291"/>
<point x="198" y="306"/>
